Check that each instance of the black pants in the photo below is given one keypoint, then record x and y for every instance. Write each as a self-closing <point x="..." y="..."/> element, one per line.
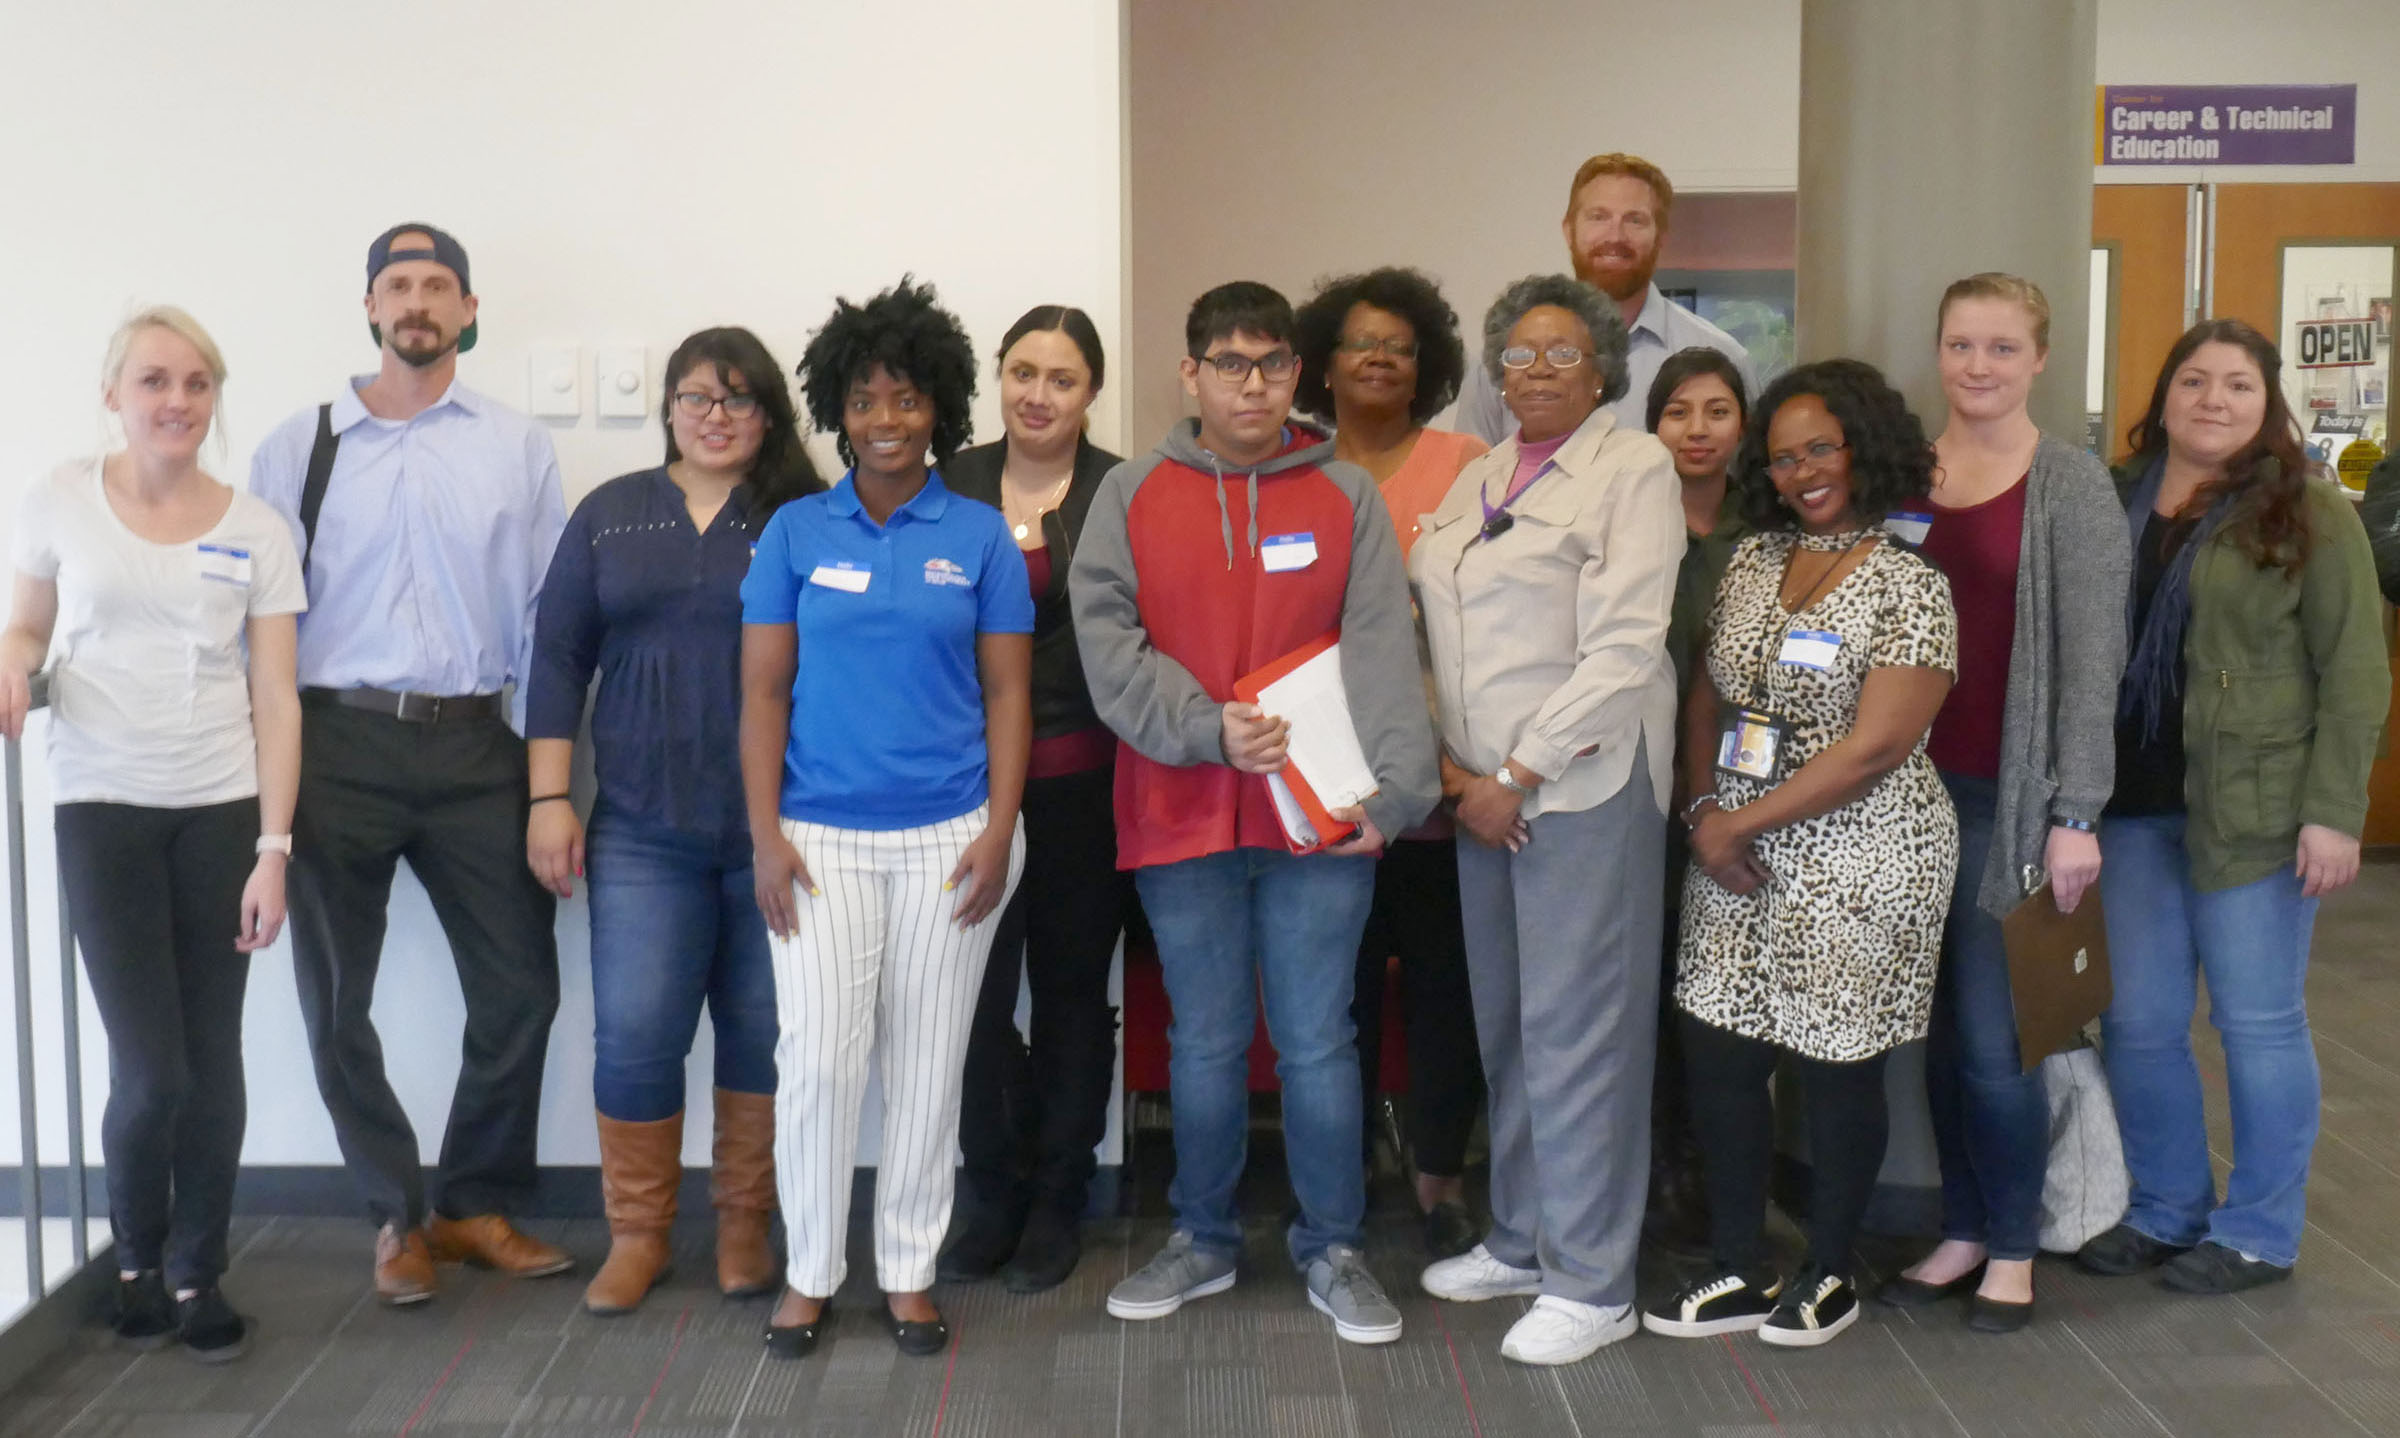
<point x="155" y="899"/>
<point x="450" y="798"/>
<point x="1030" y="1117"/>
<point x="1416" y="917"/>
<point x="1843" y="1107"/>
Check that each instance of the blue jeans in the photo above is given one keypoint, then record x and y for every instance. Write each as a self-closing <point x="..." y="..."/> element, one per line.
<point x="674" y="923"/>
<point x="1227" y="926"/>
<point x="2252" y="943"/>
<point x="1991" y="1120"/>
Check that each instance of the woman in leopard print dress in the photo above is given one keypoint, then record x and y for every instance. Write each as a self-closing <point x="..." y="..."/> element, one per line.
<point x="1823" y="844"/>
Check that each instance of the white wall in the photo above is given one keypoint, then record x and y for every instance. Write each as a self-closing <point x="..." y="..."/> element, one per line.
<point x="620" y="172"/>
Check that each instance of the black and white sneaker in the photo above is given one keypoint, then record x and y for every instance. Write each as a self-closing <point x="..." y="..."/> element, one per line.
<point x="1815" y="1306"/>
<point x="1720" y="1302"/>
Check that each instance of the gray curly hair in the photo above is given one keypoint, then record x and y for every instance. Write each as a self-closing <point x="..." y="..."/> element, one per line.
<point x="1597" y="312"/>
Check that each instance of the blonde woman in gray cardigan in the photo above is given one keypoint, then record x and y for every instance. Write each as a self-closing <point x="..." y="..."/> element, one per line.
<point x="2026" y="528"/>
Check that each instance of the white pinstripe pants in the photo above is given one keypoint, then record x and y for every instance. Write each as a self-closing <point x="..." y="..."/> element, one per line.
<point x="879" y="955"/>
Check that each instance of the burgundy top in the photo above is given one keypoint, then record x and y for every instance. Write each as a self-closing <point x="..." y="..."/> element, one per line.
<point x="1083" y="750"/>
<point x="1977" y="548"/>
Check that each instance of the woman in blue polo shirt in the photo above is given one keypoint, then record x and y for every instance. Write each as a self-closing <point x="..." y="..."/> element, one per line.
<point x="887" y="662"/>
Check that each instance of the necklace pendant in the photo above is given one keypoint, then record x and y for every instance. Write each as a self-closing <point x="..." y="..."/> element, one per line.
<point x="1021" y="531"/>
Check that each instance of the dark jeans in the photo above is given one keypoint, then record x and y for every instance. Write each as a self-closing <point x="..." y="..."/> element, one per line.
<point x="1031" y="1116"/>
<point x="155" y="899"/>
<point x="674" y="922"/>
<point x="1416" y="917"/>
<point x="450" y="798"/>
<point x="1991" y="1121"/>
<point x="1843" y="1106"/>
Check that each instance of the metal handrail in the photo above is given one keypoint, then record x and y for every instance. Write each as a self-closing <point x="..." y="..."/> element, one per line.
<point x="29" y="1172"/>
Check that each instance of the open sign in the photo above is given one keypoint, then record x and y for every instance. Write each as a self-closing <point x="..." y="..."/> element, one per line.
<point x="2330" y="344"/>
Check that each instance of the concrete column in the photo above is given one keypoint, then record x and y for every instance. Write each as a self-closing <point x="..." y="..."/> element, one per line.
<point x="1939" y="138"/>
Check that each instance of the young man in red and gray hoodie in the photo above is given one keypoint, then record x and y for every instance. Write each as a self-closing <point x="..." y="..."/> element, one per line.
<point x="1235" y="542"/>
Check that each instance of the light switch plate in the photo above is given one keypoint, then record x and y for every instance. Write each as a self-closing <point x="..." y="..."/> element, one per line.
<point x="551" y="388"/>
<point x="621" y="379"/>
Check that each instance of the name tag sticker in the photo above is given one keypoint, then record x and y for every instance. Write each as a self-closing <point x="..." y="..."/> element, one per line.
<point x="843" y="575"/>
<point x="1909" y="526"/>
<point x="225" y="564"/>
<point x="1281" y="553"/>
<point x="1810" y="648"/>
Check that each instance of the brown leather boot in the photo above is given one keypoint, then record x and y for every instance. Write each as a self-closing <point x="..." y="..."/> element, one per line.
<point x="641" y="1166"/>
<point x="742" y="1187"/>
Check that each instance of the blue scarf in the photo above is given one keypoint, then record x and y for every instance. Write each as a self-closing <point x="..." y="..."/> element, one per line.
<point x="2153" y="670"/>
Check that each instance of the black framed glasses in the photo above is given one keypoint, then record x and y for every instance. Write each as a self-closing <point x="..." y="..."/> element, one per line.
<point x="697" y="404"/>
<point x="1396" y="348"/>
<point x="1235" y="368"/>
<point x="1816" y="454"/>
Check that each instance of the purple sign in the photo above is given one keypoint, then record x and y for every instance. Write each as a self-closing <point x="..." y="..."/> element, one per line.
<point x="2227" y="125"/>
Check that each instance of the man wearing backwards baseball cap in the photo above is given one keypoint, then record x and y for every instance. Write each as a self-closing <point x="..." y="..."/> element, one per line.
<point x="426" y="515"/>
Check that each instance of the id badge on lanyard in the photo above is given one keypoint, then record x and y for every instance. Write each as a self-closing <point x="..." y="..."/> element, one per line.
<point x="1750" y="743"/>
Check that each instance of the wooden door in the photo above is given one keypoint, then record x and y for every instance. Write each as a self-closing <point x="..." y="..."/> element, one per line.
<point x="2145" y="226"/>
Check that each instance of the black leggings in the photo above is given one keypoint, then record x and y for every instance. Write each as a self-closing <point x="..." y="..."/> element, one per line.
<point x="1416" y="917"/>
<point x="155" y="898"/>
<point x="1733" y="1111"/>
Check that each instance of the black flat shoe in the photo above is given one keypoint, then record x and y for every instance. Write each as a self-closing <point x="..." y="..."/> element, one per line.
<point x="917" y="1338"/>
<point x="1450" y="1230"/>
<point x="983" y="1236"/>
<point x="1992" y="1315"/>
<point x="1046" y="1255"/>
<point x="799" y="1340"/>
<point x="1902" y="1291"/>
<point x="2122" y="1250"/>
<point x="211" y="1331"/>
<point x="2212" y="1268"/>
<point x="144" y="1316"/>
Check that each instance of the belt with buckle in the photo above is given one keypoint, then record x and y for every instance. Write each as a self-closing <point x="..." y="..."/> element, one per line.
<point x="412" y="708"/>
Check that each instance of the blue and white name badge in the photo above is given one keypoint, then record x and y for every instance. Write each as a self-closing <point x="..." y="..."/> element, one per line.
<point x="225" y="564"/>
<point x="846" y="575"/>
<point x="1282" y="553"/>
<point x="1909" y="526"/>
<point x="1810" y="648"/>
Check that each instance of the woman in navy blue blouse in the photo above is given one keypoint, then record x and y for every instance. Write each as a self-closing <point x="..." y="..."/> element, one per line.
<point x="646" y="590"/>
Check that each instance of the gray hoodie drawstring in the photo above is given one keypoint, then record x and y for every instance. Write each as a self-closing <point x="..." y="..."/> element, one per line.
<point x="1224" y="515"/>
<point x="1254" y="514"/>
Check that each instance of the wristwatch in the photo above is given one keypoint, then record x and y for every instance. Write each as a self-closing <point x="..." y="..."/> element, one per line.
<point x="276" y="844"/>
<point x="1509" y="782"/>
<point x="2080" y="826"/>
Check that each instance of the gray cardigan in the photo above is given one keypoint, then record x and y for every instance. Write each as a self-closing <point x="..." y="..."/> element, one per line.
<point x="2058" y="738"/>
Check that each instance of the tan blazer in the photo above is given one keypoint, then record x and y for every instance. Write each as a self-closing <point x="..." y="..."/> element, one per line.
<point x="1549" y="641"/>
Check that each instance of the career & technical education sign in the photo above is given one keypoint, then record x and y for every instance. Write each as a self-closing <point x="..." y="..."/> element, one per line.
<point x="2226" y="125"/>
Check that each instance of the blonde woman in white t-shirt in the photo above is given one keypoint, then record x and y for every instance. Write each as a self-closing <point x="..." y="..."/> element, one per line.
<point x="168" y="599"/>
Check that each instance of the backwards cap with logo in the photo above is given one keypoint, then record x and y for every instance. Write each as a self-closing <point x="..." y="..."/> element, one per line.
<point x="443" y="251"/>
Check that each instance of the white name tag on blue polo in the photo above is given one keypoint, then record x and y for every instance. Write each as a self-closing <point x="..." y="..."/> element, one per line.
<point x="1909" y="526"/>
<point x="225" y="564"/>
<point x="1810" y="648"/>
<point x="841" y="574"/>
<point x="1280" y="553"/>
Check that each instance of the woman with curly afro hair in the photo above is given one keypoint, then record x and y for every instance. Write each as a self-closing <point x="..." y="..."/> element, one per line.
<point x="887" y="661"/>
<point x="1823" y="843"/>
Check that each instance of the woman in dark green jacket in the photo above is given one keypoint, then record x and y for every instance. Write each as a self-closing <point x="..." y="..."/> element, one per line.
<point x="2254" y="692"/>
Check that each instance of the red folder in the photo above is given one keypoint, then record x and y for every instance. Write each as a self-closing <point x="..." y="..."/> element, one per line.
<point x="1329" y="829"/>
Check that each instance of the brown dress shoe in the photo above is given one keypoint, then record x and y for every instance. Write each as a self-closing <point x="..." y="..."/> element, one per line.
<point x="742" y="1188"/>
<point x="403" y="1266"/>
<point x="491" y="1241"/>
<point x="641" y="1166"/>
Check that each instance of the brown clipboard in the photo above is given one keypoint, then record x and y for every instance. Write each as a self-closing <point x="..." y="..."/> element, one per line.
<point x="2057" y="971"/>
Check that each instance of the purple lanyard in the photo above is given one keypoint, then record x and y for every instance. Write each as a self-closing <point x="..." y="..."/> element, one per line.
<point x="1496" y="518"/>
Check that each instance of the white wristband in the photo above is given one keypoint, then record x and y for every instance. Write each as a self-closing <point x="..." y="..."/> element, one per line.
<point x="275" y="844"/>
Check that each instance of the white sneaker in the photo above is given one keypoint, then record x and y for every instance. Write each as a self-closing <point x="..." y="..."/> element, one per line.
<point x="1475" y="1275"/>
<point x="1560" y="1330"/>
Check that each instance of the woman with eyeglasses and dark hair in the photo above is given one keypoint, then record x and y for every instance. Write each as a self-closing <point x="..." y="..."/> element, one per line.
<point x="645" y="591"/>
<point x="1033" y="1112"/>
<point x="2252" y="703"/>
<point x="1823" y="845"/>
<point x="1379" y="356"/>
<point x="1546" y="578"/>
<point x="887" y="720"/>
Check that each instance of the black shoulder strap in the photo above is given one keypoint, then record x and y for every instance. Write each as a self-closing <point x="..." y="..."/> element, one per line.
<point x="312" y="490"/>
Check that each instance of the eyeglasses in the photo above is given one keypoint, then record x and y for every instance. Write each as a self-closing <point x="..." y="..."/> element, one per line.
<point x="1523" y="356"/>
<point x="1816" y="454"/>
<point x="697" y="404"/>
<point x="1235" y="368"/>
<point x="1396" y="348"/>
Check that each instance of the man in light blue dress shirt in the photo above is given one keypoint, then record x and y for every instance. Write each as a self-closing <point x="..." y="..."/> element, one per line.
<point x="1616" y="219"/>
<point x="426" y="516"/>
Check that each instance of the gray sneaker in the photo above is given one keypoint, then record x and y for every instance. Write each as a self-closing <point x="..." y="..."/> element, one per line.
<point x="1179" y="1271"/>
<point x="1340" y="1287"/>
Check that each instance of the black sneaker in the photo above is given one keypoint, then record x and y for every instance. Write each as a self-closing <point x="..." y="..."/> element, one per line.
<point x="983" y="1234"/>
<point x="1815" y="1306"/>
<point x="144" y="1317"/>
<point x="2214" y="1268"/>
<point x="2124" y="1249"/>
<point x="211" y="1331"/>
<point x="1047" y="1254"/>
<point x="1450" y="1230"/>
<point x="1721" y="1302"/>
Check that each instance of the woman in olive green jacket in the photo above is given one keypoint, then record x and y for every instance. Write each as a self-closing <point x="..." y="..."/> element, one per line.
<point x="2254" y="692"/>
